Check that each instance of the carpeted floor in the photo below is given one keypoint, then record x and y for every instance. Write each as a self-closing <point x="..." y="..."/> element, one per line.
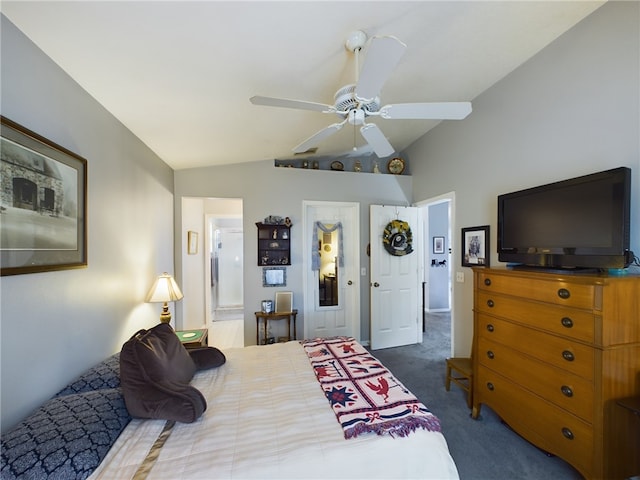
<point x="483" y="449"/>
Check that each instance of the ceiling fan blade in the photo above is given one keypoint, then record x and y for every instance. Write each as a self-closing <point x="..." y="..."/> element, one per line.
<point x="374" y="137"/>
<point x="383" y="55"/>
<point x="288" y="103"/>
<point x="316" y="138"/>
<point x="436" y="110"/>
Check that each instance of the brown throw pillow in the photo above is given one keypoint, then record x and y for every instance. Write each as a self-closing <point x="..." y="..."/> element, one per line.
<point x="207" y="357"/>
<point x="155" y="371"/>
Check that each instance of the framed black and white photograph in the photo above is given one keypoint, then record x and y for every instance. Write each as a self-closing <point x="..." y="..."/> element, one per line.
<point x="43" y="203"/>
<point x="475" y="246"/>
<point x="438" y="244"/>
<point x="274" y="277"/>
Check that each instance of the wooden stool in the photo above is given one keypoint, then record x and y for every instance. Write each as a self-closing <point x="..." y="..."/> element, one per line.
<point x="459" y="371"/>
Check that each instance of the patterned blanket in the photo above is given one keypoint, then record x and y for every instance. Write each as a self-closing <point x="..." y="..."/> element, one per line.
<point x="363" y="394"/>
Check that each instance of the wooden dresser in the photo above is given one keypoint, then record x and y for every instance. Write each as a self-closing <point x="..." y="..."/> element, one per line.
<point x="552" y="354"/>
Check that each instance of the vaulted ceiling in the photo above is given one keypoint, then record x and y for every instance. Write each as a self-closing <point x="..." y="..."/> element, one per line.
<point x="179" y="74"/>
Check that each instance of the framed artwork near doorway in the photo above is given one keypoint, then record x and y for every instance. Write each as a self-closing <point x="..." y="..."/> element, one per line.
<point x="438" y="245"/>
<point x="475" y="246"/>
<point x="192" y="242"/>
<point x="43" y="203"/>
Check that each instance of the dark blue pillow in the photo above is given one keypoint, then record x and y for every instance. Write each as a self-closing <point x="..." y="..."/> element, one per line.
<point x="66" y="438"/>
<point x="105" y="374"/>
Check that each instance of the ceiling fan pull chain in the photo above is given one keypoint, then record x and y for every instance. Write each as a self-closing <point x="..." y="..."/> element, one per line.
<point x="355" y="148"/>
<point x="357" y="52"/>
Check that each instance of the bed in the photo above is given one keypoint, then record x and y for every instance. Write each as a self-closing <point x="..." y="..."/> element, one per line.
<point x="267" y="417"/>
<point x="275" y="411"/>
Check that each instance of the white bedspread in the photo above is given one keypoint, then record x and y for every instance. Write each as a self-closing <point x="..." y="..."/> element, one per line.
<point x="268" y="418"/>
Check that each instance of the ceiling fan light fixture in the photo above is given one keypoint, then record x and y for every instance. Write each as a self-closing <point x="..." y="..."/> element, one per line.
<point x="355" y="41"/>
<point x="346" y="99"/>
<point x="356" y="116"/>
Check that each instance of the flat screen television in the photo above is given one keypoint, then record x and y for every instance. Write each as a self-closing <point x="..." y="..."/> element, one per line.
<point x="582" y="222"/>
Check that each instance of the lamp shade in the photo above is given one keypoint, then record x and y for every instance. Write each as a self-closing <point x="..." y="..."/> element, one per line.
<point x="164" y="289"/>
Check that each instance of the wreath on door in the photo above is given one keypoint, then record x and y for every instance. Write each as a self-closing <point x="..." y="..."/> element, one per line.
<point x="397" y="238"/>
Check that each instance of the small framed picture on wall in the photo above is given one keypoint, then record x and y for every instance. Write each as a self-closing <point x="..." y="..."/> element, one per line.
<point x="475" y="246"/>
<point x="192" y="242"/>
<point x="438" y="244"/>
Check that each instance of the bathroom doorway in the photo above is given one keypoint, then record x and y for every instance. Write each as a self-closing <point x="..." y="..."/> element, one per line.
<point x="224" y="260"/>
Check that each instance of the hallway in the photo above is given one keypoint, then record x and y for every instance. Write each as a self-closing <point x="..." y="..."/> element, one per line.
<point x="227" y="329"/>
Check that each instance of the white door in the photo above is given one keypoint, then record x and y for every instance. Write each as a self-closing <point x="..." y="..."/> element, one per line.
<point x="332" y="299"/>
<point x="395" y="281"/>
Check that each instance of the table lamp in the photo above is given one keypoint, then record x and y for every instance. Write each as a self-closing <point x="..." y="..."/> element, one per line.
<point x="164" y="289"/>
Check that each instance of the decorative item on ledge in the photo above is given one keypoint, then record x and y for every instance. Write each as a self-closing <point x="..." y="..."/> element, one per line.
<point x="164" y="289"/>
<point x="364" y="164"/>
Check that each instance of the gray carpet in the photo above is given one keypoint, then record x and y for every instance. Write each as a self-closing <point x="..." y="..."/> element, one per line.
<point x="483" y="449"/>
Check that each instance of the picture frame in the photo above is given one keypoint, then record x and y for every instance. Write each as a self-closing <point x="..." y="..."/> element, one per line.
<point x="192" y="242"/>
<point x="274" y="277"/>
<point x="438" y="245"/>
<point x="43" y="203"/>
<point x="284" y="302"/>
<point x="475" y="246"/>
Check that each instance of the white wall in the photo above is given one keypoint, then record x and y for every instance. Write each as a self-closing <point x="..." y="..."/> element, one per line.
<point x="267" y="190"/>
<point x="192" y="305"/>
<point x="55" y="325"/>
<point x="571" y="110"/>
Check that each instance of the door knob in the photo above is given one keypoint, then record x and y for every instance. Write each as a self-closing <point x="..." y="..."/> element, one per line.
<point x="349" y="282"/>
<point x="376" y="284"/>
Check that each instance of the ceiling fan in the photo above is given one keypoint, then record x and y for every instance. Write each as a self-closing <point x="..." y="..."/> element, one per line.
<point x="355" y="102"/>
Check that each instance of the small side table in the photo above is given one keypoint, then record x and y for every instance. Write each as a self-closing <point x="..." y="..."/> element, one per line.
<point x="194" y="338"/>
<point x="275" y="316"/>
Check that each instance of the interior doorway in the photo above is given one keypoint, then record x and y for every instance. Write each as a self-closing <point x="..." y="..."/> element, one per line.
<point x="226" y="258"/>
<point x="437" y="214"/>
<point x="223" y="262"/>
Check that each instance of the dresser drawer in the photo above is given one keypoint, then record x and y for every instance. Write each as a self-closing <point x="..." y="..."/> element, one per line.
<point x="549" y="427"/>
<point x="558" y="351"/>
<point x="565" y="390"/>
<point x="574" y="323"/>
<point x="578" y="295"/>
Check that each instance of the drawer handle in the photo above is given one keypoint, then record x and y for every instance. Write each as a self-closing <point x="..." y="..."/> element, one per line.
<point x="567" y="322"/>
<point x="568" y="434"/>
<point x="487" y="282"/>
<point x="568" y="356"/>
<point x="490" y="303"/>
<point x="564" y="293"/>
<point x="490" y="354"/>
<point x="490" y="327"/>
<point x="490" y="386"/>
<point x="566" y="391"/>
